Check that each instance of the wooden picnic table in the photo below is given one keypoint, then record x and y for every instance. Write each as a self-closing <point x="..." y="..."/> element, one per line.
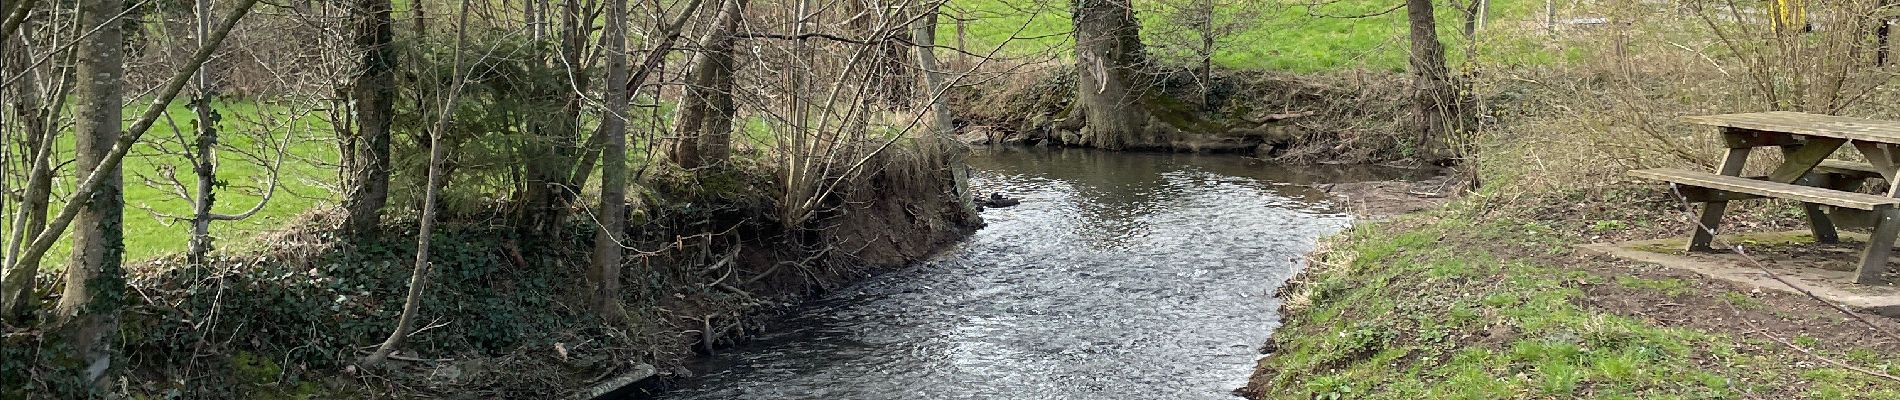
<point x="1826" y="188"/>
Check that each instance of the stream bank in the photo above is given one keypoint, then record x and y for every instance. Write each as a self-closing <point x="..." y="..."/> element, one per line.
<point x="1343" y="117"/>
<point x="1487" y="297"/>
<point x="506" y="315"/>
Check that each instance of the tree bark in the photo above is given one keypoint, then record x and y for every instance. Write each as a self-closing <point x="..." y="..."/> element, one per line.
<point x="88" y="313"/>
<point x="374" y="92"/>
<point x="1111" y="76"/>
<point x="1434" y="97"/>
<point x="703" y="134"/>
<point x="613" y="169"/>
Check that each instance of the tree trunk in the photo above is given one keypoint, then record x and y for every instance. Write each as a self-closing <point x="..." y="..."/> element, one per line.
<point x="1111" y="76"/>
<point x="889" y="75"/>
<point x="942" y="124"/>
<point x="1433" y="95"/>
<point x="88" y="313"/>
<point x="1882" y="46"/>
<point x="613" y="168"/>
<point x="205" y="161"/>
<point x="374" y="92"/>
<point x="1205" y="18"/>
<point x="704" y="125"/>
<point x="925" y="38"/>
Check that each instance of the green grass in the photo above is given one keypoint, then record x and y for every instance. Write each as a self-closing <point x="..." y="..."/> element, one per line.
<point x="1422" y="312"/>
<point x="1286" y="35"/>
<point x="305" y="180"/>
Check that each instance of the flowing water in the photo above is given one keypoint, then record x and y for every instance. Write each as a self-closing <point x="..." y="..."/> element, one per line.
<point x="1120" y="276"/>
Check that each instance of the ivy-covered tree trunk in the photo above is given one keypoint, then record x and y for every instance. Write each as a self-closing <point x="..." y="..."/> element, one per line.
<point x="704" y="132"/>
<point x="1111" y="76"/>
<point x="204" y="162"/>
<point x="88" y="312"/>
<point x="1434" y="96"/>
<point x="373" y="92"/>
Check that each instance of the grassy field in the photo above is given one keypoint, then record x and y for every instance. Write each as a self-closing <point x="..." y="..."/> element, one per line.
<point x="1296" y="36"/>
<point x="153" y="205"/>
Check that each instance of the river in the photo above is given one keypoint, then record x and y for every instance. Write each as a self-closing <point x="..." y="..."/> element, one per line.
<point x="1120" y="276"/>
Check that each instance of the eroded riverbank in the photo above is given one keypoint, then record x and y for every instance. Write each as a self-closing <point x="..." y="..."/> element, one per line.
<point x="1119" y="276"/>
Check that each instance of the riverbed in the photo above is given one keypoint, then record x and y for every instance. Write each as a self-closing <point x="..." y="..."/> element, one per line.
<point x="1119" y="276"/>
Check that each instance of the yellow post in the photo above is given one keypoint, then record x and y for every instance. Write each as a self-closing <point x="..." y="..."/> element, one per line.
<point x="1788" y="15"/>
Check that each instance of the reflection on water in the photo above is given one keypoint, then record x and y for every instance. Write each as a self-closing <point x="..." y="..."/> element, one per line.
<point x="1120" y="276"/>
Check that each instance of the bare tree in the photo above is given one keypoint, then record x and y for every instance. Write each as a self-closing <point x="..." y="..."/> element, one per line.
<point x="942" y="123"/>
<point x="34" y="101"/>
<point x="613" y="172"/>
<point x="438" y="157"/>
<point x="702" y="136"/>
<point x="202" y="154"/>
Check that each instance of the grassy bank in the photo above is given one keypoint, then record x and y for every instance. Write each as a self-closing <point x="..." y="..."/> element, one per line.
<point x="1487" y="299"/>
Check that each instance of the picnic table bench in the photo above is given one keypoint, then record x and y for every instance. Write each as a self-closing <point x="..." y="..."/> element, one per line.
<point x="1827" y="189"/>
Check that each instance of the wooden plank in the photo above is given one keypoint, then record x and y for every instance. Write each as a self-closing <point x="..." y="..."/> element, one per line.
<point x="1873" y="259"/>
<point x="1850" y="169"/>
<point x="1742" y="137"/>
<point x="1818" y="178"/>
<point x="1863" y="129"/>
<point x="1807" y="194"/>
<point x="1851" y="218"/>
<point x="1799" y="160"/>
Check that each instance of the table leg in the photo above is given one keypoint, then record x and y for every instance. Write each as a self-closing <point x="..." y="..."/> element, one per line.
<point x="1820" y="224"/>
<point x="1878" y="156"/>
<point x="1873" y="260"/>
<point x="1711" y="217"/>
<point x="1798" y="160"/>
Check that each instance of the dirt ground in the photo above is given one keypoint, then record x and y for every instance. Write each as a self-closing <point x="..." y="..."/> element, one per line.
<point x="1380" y="199"/>
<point x="1743" y="309"/>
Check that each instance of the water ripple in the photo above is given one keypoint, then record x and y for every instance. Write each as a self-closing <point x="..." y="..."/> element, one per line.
<point x="1120" y="276"/>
